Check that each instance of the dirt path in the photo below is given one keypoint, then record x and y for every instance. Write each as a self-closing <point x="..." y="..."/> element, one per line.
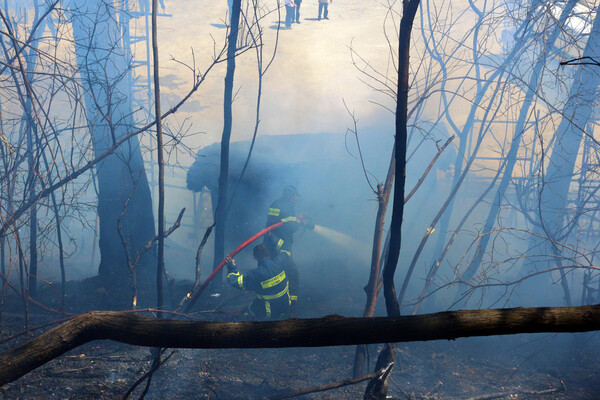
<point x="304" y="89"/>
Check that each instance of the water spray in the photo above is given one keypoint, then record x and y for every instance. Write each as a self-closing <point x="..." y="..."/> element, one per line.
<point x="341" y="239"/>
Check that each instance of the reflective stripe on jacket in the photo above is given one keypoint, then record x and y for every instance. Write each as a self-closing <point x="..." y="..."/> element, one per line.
<point x="282" y="238"/>
<point x="269" y="282"/>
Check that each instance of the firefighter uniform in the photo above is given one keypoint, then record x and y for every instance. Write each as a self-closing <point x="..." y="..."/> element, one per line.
<point x="284" y="258"/>
<point x="282" y="238"/>
<point x="269" y="282"/>
<point x="279" y="241"/>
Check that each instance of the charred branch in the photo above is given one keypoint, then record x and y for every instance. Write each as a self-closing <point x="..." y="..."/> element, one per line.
<point x="329" y="386"/>
<point x="134" y="329"/>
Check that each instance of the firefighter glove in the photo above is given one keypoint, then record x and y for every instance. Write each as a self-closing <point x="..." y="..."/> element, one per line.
<point x="231" y="267"/>
<point x="306" y="221"/>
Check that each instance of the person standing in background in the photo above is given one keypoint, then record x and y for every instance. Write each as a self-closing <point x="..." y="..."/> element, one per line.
<point x="298" y="4"/>
<point x="323" y="8"/>
<point x="290" y="13"/>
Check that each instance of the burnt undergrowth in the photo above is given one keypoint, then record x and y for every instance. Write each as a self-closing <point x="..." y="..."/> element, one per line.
<point x="540" y="366"/>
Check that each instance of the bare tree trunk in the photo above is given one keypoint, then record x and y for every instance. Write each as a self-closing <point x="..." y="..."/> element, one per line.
<point x="161" y="164"/>
<point x="383" y="198"/>
<point x="577" y="113"/>
<point x="436" y="264"/>
<point x="160" y="268"/>
<point x="33" y="264"/>
<point x="134" y="329"/>
<point x="61" y="250"/>
<point x="377" y="388"/>
<point x="22" y="280"/>
<point x="374" y="284"/>
<point x="511" y="157"/>
<point x="32" y="159"/>
<point x="221" y="211"/>
<point x="449" y="199"/>
<point x="33" y="228"/>
<point x="555" y="217"/>
<point x="2" y="256"/>
<point x="28" y="122"/>
<point x="110" y="116"/>
<point x="508" y="64"/>
<point x="29" y="125"/>
<point x="372" y="289"/>
<point x="462" y="152"/>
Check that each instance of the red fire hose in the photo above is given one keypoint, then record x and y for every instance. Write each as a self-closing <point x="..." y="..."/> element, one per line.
<point x="222" y="264"/>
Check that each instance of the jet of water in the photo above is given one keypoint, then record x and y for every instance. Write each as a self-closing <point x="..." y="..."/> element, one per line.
<point x="343" y="240"/>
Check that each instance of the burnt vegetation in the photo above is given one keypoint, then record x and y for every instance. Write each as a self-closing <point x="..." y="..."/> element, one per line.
<point x="475" y="193"/>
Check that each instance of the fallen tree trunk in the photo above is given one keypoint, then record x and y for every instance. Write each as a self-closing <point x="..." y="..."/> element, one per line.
<point x="131" y="328"/>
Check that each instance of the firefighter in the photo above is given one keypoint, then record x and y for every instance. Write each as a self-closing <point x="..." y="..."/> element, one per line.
<point x="279" y="241"/>
<point x="283" y="210"/>
<point x="268" y="281"/>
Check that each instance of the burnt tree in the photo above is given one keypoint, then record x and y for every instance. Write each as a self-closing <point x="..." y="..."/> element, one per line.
<point x="122" y="181"/>
<point x="377" y="388"/>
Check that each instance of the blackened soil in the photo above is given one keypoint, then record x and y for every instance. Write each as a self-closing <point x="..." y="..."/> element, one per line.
<point x="543" y="366"/>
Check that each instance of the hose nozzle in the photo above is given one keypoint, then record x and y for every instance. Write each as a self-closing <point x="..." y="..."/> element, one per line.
<point x="306" y="221"/>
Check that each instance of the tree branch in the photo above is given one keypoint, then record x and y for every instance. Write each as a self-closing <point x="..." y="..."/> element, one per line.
<point x="131" y="328"/>
<point x="328" y="386"/>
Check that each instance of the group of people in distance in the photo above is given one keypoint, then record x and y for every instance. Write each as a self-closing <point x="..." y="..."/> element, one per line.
<point x="292" y="11"/>
<point x="275" y="280"/>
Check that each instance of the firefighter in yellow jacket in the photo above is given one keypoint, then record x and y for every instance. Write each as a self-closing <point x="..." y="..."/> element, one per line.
<point x="268" y="281"/>
<point x="279" y="241"/>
